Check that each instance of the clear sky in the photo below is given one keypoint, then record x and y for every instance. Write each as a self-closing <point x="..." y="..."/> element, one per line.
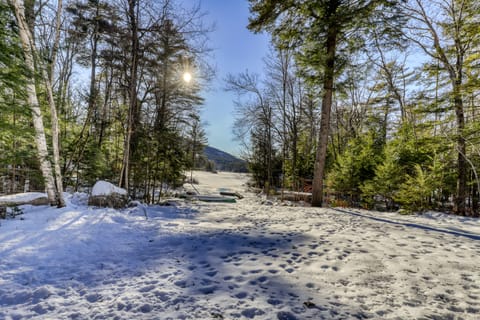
<point x="236" y="49"/>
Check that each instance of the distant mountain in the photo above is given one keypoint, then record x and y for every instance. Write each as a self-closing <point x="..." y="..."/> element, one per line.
<point x="224" y="161"/>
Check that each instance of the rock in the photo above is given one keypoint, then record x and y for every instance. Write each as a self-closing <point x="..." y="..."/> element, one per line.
<point x="13" y="201"/>
<point x="112" y="201"/>
<point x="40" y="202"/>
<point x="20" y="199"/>
<point x="105" y="194"/>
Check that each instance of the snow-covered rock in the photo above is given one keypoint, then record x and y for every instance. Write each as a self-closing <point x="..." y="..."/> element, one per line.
<point x="105" y="194"/>
<point x="104" y="188"/>
<point x="33" y="198"/>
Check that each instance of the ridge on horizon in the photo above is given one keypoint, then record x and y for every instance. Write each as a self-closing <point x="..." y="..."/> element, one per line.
<point x="225" y="161"/>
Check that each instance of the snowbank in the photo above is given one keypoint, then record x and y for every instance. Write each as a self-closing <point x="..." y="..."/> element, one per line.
<point x="22" y="197"/>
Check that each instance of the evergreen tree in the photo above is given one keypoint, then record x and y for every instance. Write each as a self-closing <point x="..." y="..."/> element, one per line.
<point x="448" y="41"/>
<point x="356" y="165"/>
<point x="16" y="132"/>
<point x="322" y="47"/>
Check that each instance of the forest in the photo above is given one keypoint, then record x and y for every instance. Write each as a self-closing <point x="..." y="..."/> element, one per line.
<point x="100" y="90"/>
<point x="375" y="103"/>
<point x="367" y="103"/>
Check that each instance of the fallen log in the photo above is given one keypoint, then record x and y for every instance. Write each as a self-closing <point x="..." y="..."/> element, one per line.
<point x="297" y="196"/>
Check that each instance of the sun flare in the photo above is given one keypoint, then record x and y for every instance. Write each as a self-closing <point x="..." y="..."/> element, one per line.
<point x="187" y="77"/>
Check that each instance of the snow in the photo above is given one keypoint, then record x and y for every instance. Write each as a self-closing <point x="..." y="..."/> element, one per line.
<point x="196" y="260"/>
<point x="22" y="197"/>
<point x="104" y="188"/>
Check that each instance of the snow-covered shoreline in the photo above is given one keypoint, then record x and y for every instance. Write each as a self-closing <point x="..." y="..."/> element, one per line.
<point x="236" y="261"/>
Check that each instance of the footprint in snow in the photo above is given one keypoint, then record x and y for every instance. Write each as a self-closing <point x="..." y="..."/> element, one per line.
<point x="147" y="288"/>
<point x="256" y="271"/>
<point x="181" y="283"/>
<point x="211" y="273"/>
<point x="274" y="302"/>
<point x="252" y="313"/>
<point x="146" y="308"/>
<point x="208" y="290"/>
<point x="162" y="295"/>
<point x="39" y="309"/>
<point x="241" y="295"/>
<point x="204" y="264"/>
<point x="284" y="315"/>
<point x="93" y="297"/>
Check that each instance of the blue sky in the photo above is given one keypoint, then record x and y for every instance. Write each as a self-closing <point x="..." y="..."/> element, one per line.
<point x="236" y="49"/>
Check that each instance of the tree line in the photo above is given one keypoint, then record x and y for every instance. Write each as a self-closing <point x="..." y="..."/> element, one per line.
<point x="93" y="89"/>
<point x="373" y="103"/>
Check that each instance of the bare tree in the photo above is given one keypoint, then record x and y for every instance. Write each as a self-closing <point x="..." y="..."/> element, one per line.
<point x="440" y="29"/>
<point x="287" y="93"/>
<point x="255" y="118"/>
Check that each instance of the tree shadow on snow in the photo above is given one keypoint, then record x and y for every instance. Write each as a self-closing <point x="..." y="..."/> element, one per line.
<point x="449" y="231"/>
<point x="246" y="272"/>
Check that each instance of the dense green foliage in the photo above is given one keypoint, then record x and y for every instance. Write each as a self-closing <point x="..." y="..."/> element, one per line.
<point x="403" y="125"/>
<point x="402" y="117"/>
<point x="18" y="164"/>
<point x="141" y="97"/>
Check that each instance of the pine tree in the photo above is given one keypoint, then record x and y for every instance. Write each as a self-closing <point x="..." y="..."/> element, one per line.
<point x="320" y="46"/>
<point x="448" y="42"/>
<point x="17" y="151"/>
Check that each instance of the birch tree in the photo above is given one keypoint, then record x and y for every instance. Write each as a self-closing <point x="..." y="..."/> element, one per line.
<point x="48" y="71"/>
<point x="28" y="46"/>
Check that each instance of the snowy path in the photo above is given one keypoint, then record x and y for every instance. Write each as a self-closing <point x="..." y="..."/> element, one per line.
<point x="237" y="261"/>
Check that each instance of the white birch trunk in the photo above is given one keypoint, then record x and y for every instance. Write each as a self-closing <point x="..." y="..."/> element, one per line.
<point x="40" y="140"/>
<point x="48" y="78"/>
<point x="55" y="141"/>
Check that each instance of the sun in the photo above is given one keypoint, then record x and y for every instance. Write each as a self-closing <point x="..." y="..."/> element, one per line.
<point x="187" y="77"/>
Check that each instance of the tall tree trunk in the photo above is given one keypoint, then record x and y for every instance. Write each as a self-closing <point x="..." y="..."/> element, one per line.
<point x="55" y="142"/>
<point x="53" y="109"/>
<point x="105" y="110"/>
<point x="92" y="98"/>
<point x="475" y="197"/>
<point x="40" y="140"/>
<point x="461" y="152"/>
<point x="321" y="154"/>
<point x="133" y="114"/>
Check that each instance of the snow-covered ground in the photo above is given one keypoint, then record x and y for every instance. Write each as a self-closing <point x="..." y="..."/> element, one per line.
<point x="236" y="261"/>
